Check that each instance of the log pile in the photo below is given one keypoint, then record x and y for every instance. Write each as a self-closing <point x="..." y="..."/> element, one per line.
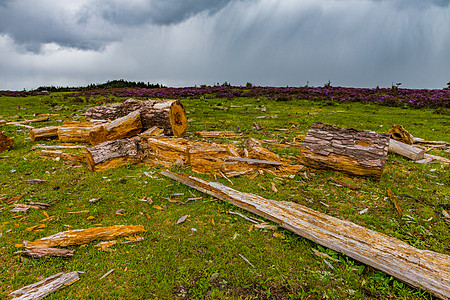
<point x="5" y="142"/>
<point x="346" y="150"/>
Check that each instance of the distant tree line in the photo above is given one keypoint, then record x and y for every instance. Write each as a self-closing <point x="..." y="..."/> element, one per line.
<point x="114" y="84"/>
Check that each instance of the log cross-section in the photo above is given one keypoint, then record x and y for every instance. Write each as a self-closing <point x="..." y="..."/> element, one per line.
<point x="345" y="149"/>
<point x="422" y="269"/>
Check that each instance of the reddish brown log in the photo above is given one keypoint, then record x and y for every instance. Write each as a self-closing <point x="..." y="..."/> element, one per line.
<point x="5" y="142"/>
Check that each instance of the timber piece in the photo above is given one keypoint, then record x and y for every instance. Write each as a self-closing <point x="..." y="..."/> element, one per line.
<point x="251" y="161"/>
<point x="84" y="236"/>
<point x="217" y="134"/>
<point x="343" y="183"/>
<point x="112" y="154"/>
<point x="423" y="269"/>
<point x="255" y="150"/>
<point x="49" y="132"/>
<point x="345" y="149"/>
<point x="125" y="127"/>
<point x="46" y="252"/>
<point x="46" y="286"/>
<point x="63" y="155"/>
<point x="5" y="142"/>
<point x="43" y="119"/>
<point x="399" y="133"/>
<point x="76" y="132"/>
<point x="406" y="150"/>
<point x="429" y="158"/>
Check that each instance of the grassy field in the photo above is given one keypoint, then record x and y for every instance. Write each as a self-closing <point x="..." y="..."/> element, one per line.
<point x="200" y="259"/>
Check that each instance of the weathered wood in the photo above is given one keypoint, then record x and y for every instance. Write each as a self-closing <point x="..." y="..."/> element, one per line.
<point x="218" y="134"/>
<point x="84" y="236"/>
<point x="50" y="132"/>
<point x="43" y="119"/>
<point x="423" y="269"/>
<point x="5" y="142"/>
<point x="406" y="150"/>
<point x="121" y="128"/>
<point x="46" y="286"/>
<point x="252" y="161"/>
<point x="46" y="252"/>
<point x="77" y="132"/>
<point x="399" y="133"/>
<point x="345" y="149"/>
<point x="63" y="155"/>
<point x="112" y="154"/>
<point x="168" y="115"/>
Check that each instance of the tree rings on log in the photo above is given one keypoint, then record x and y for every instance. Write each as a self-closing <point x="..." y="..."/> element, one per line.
<point x="345" y="149"/>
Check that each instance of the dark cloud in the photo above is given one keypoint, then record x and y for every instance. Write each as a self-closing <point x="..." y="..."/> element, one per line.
<point x="416" y="3"/>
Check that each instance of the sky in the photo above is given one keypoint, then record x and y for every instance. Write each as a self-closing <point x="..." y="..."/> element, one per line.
<point x="352" y="43"/>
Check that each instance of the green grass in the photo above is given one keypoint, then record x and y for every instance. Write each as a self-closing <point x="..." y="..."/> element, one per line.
<point x="177" y="261"/>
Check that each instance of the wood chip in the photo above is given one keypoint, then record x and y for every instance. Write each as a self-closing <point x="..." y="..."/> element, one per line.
<point x="182" y="219"/>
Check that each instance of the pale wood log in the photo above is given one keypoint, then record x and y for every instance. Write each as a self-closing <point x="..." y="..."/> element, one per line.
<point x="112" y="154"/>
<point x="84" y="236"/>
<point x="49" y="132"/>
<point x="5" y="142"/>
<point x="423" y="269"/>
<point x="46" y="252"/>
<point x="345" y="149"/>
<point x="406" y="150"/>
<point x="76" y="132"/>
<point x="399" y="133"/>
<point x="46" y="286"/>
<point x="168" y="115"/>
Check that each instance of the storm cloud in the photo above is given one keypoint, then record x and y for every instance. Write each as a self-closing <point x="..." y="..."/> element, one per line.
<point x="267" y="42"/>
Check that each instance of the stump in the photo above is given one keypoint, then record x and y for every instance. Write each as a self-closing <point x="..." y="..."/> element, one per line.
<point x="168" y="115"/>
<point x="5" y="142"/>
<point x="345" y="149"/>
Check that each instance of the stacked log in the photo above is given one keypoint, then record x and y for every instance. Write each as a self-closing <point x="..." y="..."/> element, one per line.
<point x="345" y="149"/>
<point x="168" y="115"/>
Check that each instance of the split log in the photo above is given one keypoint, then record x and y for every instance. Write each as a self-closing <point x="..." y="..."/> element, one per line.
<point x="84" y="236"/>
<point x="46" y="252"/>
<point x="406" y="150"/>
<point x="121" y="128"/>
<point x="399" y="133"/>
<point x="423" y="269"/>
<point x="64" y="155"/>
<point x="46" y="286"/>
<point x="345" y="149"/>
<point x="77" y="132"/>
<point x="5" y="142"/>
<point x="44" y="133"/>
<point x="112" y="154"/>
<point x="168" y="115"/>
<point x="43" y="119"/>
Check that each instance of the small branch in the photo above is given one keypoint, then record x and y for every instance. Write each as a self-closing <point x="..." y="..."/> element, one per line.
<point x="247" y="261"/>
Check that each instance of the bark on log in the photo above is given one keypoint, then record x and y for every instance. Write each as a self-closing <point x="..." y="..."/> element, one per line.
<point x="346" y="150"/>
<point x="5" y="142"/>
<point x="168" y="115"/>
<point x="44" y="133"/>
<point x="46" y="286"/>
<point x="112" y="154"/>
<point x="406" y="150"/>
<point x="84" y="236"/>
<point x="422" y="269"/>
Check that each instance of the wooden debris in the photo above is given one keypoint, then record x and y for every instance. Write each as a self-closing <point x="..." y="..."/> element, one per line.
<point x="394" y="200"/>
<point x="35" y="181"/>
<point x="406" y="150"/>
<point x="63" y="155"/>
<point x="36" y="227"/>
<point x="422" y="269"/>
<point x="429" y="158"/>
<point x="5" y="142"/>
<point x="46" y="252"/>
<point x="50" y="132"/>
<point x="169" y="115"/>
<point x="43" y="119"/>
<point x="257" y="126"/>
<point x="218" y="134"/>
<point x="41" y="146"/>
<point x="107" y="274"/>
<point x="14" y="199"/>
<point x="252" y="161"/>
<point x="345" y="149"/>
<point x="46" y="286"/>
<point x="399" y="133"/>
<point x="343" y="183"/>
<point x="112" y="154"/>
<point x="244" y="217"/>
<point x="84" y="236"/>
<point x="182" y="219"/>
<point x="153" y="131"/>
<point x="247" y="261"/>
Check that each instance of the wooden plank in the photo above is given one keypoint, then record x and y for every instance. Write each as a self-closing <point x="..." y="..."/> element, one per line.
<point x="422" y="269"/>
<point x="46" y="286"/>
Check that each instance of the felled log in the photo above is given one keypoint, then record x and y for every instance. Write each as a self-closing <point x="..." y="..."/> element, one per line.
<point x="121" y="128"/>
<point x="423" y="269"/>
<point x="5" y="142"/>
<point x="112" y="154"/>
<point x="49" y="132"/>
<point x="77" y="132"/>
<point x="46" y="286"/>
<point x="406" y="150"/>
<point x="399" y="133"/>
<point x="84" y="236"/>
<point x="345" y="149"/>
<point x="46" y="252"/>
<point x="168" y="115"/>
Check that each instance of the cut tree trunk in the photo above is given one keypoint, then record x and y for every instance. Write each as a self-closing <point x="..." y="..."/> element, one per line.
<point x="406" y="150"/>
<point x="44" y="133"/>
<point x="5" y="142"/>
<point x="84" y="236"/>
<point x="46" y="286"/>
<point x="121" y="128"/>
<point x="112" y="154"/>
<point x="423" y="269"/>
<point x="345" y="149"/>
<point x="77" y="132"/>
<point x="168" y="115"/>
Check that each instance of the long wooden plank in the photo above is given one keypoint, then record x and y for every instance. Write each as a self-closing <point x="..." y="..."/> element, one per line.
<point x="422" y="269"/>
